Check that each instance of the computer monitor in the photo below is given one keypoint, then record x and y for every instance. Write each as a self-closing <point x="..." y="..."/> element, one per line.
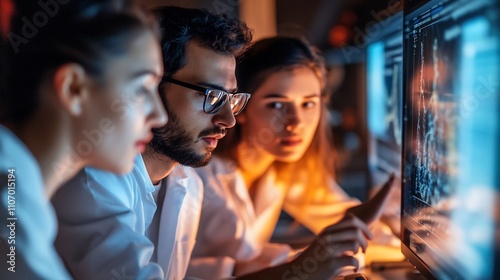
<point x="384" y="86"/>
<point x="451" y="138"/>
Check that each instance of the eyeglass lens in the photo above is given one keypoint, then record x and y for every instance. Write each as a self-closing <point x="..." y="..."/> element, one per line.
<point x="216" y="99"/>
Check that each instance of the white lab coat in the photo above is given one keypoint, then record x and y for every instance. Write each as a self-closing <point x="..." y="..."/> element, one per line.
<point x="236" y="230"/>
<point x="104" y="220"/>
<point x="179" y="221"/>
<point x="33" y="216"/>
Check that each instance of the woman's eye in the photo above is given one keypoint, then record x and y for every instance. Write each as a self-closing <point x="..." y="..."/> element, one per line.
<point x="275" y="105"/>
<point x="309" y="104"/>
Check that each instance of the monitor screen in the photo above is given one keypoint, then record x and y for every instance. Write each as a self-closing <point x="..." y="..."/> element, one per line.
<point x="384" y="74"/>
<point x="451" y="137"/>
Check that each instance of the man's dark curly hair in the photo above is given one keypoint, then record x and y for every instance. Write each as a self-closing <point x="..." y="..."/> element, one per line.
<point x="216" y="32"/>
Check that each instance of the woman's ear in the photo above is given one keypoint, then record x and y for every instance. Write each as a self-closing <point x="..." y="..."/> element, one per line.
<point x="70" y="87"/>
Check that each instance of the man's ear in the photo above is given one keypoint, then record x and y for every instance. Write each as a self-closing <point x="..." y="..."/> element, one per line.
<point x="70" y="87"/>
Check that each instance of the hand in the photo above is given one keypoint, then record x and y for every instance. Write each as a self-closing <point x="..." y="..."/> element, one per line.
<point x="372" y="209"/>
<point x="332" y="250"/>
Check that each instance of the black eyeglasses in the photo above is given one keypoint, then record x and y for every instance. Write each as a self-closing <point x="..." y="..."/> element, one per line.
<point x="216" y="98"/>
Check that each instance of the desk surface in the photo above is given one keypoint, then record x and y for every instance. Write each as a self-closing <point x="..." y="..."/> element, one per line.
<point x="407" y="273"/>
<point x="392" y="257"/>
<point x="393" y="274"/>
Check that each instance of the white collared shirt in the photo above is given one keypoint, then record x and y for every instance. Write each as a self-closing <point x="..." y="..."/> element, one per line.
<point x="178" y="222"/>
<point x="104" y="219"/>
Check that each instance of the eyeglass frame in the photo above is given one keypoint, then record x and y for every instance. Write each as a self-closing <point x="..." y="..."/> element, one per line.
<point x="206" y="90"/>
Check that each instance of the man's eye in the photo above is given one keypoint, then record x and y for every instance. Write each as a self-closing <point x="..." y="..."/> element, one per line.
<point x="212" y="100"/>
<point x="214" y="96"/>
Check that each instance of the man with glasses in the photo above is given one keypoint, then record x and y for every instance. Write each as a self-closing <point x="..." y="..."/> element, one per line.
<point x="109" y="223"/>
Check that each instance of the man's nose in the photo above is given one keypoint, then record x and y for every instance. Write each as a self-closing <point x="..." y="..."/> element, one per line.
<point x="225" y="117"/>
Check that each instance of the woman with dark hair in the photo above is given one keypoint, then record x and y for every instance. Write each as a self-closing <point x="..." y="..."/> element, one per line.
<point x="81" y="89"/>
<point x="278" y="156"/>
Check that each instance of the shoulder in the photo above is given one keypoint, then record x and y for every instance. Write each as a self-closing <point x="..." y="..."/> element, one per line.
<point x="16" y="157"/>
<point x="22" y="184"/>
<point x="101" y="189"/>
<point x="20" y="175"/>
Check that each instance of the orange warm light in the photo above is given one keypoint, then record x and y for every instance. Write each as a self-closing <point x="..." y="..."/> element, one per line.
<point x="338" y="36"/>
<point x="6" y="12"/>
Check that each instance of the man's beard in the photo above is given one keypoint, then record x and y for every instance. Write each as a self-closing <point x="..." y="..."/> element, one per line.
<point x="174" y="142"/>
